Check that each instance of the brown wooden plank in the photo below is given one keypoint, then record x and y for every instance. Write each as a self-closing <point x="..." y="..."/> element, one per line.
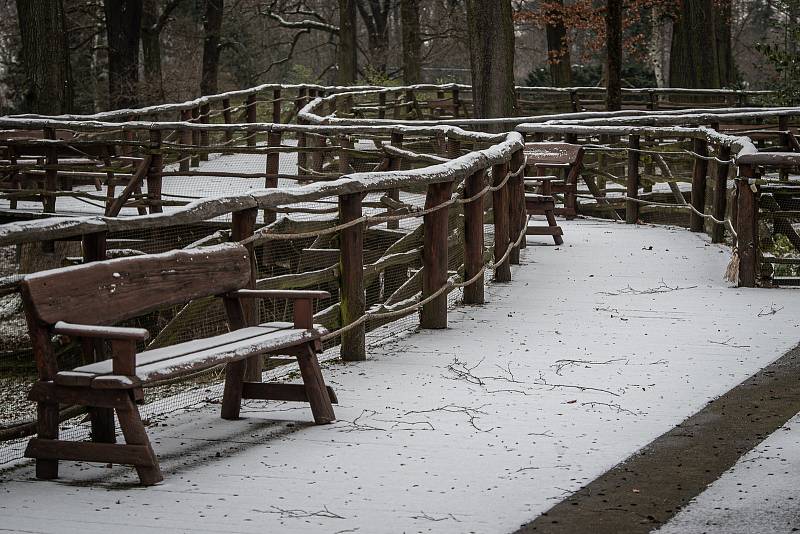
<point x="544" y="230"/>
<point x="280" y="392"/>
<point x="107" y="292"/>
<point x="49" y="392"/>
<point x="79" y="451"/>
<point x="500" y="201"/>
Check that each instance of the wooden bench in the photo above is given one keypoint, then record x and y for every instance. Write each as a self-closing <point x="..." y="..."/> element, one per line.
<point x="565" y="158"/>
<point x="543" y="204"/>
<point x="82" y="301"/>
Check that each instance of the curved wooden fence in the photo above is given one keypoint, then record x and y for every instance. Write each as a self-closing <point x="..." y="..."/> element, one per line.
<point x="378" y="198"/>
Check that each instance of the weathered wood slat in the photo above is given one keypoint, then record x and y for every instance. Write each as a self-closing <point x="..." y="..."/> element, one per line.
<point x="106" y="292"/>
<point x="88" y="452"/>
<point x="280" y="392"/>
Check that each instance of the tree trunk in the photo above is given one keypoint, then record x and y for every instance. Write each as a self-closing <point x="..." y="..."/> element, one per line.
<point x="212" y="28"/>
<point x="45" y="54"/>
<point x="558" y="56"/>
<point x="123" y="27"/>
<point x="347" y="58"/>
<point x="151" y="53"/>
<point x="659" y="45"/>
<point x="722" y="32"/>
<point x="412" y="45"/>
<point x="614" y="55"/>
<point x="491" y="56"/>
<point x="694" y="63"/>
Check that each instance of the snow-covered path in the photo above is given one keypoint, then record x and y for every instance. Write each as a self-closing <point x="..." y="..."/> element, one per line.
<point x="595" y="349"/>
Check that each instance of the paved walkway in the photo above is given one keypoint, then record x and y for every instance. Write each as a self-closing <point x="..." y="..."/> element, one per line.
<point x="596" y="348"/>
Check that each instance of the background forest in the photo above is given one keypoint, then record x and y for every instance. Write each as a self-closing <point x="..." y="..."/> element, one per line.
<point x="124" y="53"/>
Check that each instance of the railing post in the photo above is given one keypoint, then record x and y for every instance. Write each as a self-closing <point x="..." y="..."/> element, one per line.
<point x="410" y="103"/>
<point x="434" y="256"/>
<point x="205" y="110"/>
<point x="50" y="174"/>
<point x="154" y="172"/>
<point x="500" y="202"/>
<point x="276" y="106"/>
<point x="783" y="127"/>
<point x="227" y="117"/>
<point x="747" y="226"/>
<point x="186" y="139"/>
<point x="631" y="206"/>
<point x="382" y="105"/>
<point x="195" y="161"/>
<point x="395" y="164"/>
<point x="456" y="103"/>
<point x="719" y="202"/>
<point x="243" y="225"/>
<point x="699" y="174"/>
<point x="473" y="238"/>
<point x="352" y="299"/>
<point x="273" y="169"/>
<point x="516" y="189"/>
<point x="252" y="117"/>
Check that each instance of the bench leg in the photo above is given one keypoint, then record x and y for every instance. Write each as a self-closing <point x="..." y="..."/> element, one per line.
<point x="103" y="430"/>
<point x="47" y="428"/>
<point x="232" y="394"/>
<point x="135" y="434"/>
<point x="317" y="393"/>
<point x="551" y="220"/>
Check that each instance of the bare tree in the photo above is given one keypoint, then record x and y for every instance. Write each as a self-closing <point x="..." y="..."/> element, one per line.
<point x="348" y="44"/>
<point x="375" y="14"/>
<point x="558" y="56"/>
<point x="123" y="27"/>
<point x="491" y="50"/>
<point x="614" y="55"/>
<point x="412" y="41"/>
<point x="45" y="55"/>
<point x="212" y="30"/>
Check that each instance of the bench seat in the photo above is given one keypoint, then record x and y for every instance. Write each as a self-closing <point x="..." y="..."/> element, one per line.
<point x="191" y="356"/>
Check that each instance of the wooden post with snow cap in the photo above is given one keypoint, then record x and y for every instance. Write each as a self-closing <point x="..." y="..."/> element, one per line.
<point x="516" y="189"/>
<point x="186" y="139"/>
<point x="352" y="298"/>
<point x="395" y="164"/>
<point x="227" y="117"/>
<point x="205" y="118"/>
<point x="243" y="225"/>
<point x="195" y="161"/>
<point x="719" y="200"/>
<point x="251" y="111"/>
<point x="154" y="172"/>
<point x="382" y="105"/>
<point x="473" y="238"/>
<point x="631" y="206"/>
<point x="699" y="174"/>
<point x="747" y="226"/>
<point x="276" y="106"/>
<point x="434" y="256"/>
<point x="500" y="202"/>
<point x="273" y="169"/>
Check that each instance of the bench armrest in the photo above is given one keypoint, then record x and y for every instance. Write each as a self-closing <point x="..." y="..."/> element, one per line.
<point x="278" y="294"/>
<point x="106" y="332"/>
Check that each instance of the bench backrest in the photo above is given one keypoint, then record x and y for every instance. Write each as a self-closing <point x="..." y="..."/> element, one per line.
<point x="552" y="153"/>
<point x="106" y="292"/>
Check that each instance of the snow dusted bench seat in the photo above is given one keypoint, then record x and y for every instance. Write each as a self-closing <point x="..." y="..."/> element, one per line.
<point x="83" y="301"/>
